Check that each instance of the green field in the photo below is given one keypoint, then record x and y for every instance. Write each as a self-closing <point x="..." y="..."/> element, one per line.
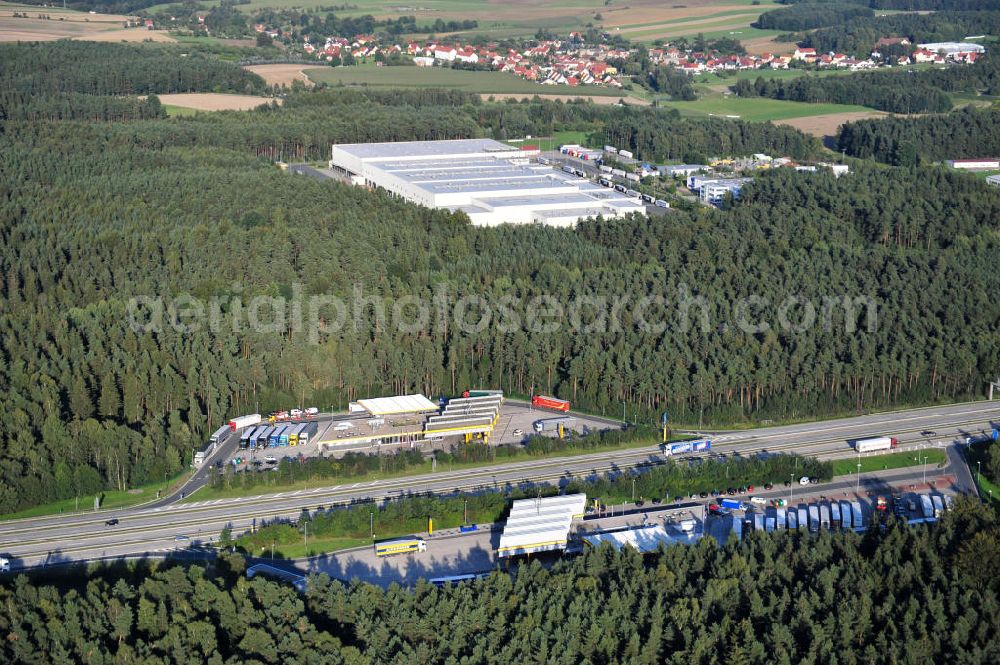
<point x="112" y="499"/>
<point x="179" y="111"/>
<point x="875" y="463"/>
<point x="442" y="77"/>
<point x="756" y="109"/>
<point x="988" y="490"/>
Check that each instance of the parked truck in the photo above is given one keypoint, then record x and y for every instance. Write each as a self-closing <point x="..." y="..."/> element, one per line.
<point x="552" y="424"/>
<point x="938" y="505"/>
<point x="732" y="504"/>
<point x="244" y="421"/>
<point x="876" y="443"/>
<point x="554" y="403"/>
<point x="926" y="506"/>
<point x="307" y="432"/>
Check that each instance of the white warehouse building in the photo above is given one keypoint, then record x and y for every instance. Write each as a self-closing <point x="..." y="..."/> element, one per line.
<point x="489" y="181"/>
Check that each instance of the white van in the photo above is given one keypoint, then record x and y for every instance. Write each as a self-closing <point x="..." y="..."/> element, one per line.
<point x="759" y="500"/>
<point x="4" y="565"/>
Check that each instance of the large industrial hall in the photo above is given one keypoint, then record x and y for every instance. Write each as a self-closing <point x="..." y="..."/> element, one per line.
<point x="491" y="182"/>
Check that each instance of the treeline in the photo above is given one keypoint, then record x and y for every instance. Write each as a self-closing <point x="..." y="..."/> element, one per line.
<point x="331" y="24"/>
<point x="905" y="594"/>
<point x="805" y="16"/>
<point x="906" y="91"/>
<point x="858" y="37"/>
<point x="91" y="68"/>
<point x="968" y="133"/>
<point x="895" y="92"/>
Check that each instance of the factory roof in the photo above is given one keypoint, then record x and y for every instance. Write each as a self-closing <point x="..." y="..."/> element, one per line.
<point x="384" y="406"/>
<point x="644" y="539"/>
<point x="540" y="525"/>
<point x="397" y="149"/>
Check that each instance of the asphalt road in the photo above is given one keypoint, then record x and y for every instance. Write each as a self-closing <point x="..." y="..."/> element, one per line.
<point x="155" y="528"/>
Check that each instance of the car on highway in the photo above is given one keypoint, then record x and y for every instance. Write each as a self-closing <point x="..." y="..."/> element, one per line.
<point x="804" y="480"/>
<point x="181" y="539"/>
<point x="928" y="432"/>
<point x="111" y="522"/>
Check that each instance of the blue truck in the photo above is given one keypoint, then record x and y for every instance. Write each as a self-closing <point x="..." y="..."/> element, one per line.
<point x="732" y="504"/>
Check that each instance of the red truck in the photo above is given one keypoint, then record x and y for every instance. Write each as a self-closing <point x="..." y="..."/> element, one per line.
<point x="550" y="403"/>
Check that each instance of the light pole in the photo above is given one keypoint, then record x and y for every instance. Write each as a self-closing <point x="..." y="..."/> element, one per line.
<point x="791" y="486"/>
<point x="305" y="536"/>
<point x="371" y="521"/>
<point x="979" y="471"/>
<point x="858" y="490"/>
<point x="924" y="481"/>
<point x="466" y="518"/>
<point x="633" y="490"/>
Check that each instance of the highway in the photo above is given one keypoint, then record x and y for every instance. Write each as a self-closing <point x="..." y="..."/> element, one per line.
<point x="155" y="527"/>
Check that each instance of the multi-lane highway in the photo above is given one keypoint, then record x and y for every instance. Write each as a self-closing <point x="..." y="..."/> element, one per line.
<point x="154" y="528"/>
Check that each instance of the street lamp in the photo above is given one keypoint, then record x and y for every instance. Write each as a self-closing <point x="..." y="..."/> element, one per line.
<point x="371" y="520"/>
<point x="858" y="490"/>
<point x="924" y="481"/>
<point x="979" y="471"/>
<point x="633" y="490"/>
<point x="791" y="487"/>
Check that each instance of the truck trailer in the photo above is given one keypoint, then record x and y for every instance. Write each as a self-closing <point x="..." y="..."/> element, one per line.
<point x="732" y="504"/>
<point x="926" y="506"/>
<point x="244" y="421"/>
<point x="540" y="402"/>
<point x="938" y="505"/>
<point x="552" y="424"/>
<point x="845" y="513"/>
<point x="877" y="443"/>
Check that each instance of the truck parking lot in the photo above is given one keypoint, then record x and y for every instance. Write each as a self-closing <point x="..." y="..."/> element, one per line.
<point x="516" y="423"/>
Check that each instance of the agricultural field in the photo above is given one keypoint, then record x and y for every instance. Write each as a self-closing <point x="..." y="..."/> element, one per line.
<point x="280" y="74"/>
<point x="62" y="24"/>
<point x="758" y="109"/>
<point x="212" y="101"/>
<point x="828" y="124"/>
<point x="638" y="20"/>
<point x="441" y="77"/>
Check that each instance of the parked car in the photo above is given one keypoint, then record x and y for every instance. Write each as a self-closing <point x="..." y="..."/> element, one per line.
<point x="519" y="432"/>
<point x="768" y="486"/>
<point x="813" y="480"/>
<point x="804" y="480"/>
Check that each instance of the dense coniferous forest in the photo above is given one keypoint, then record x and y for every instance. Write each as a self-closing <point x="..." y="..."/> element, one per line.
<point x="858" y="36"/>
<point x="905" y="595"/>
<point x="804" y="16"/>
<point x="967" y="133"/>
<point x="95" y="213"/>
<point x="905" y="91"/>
